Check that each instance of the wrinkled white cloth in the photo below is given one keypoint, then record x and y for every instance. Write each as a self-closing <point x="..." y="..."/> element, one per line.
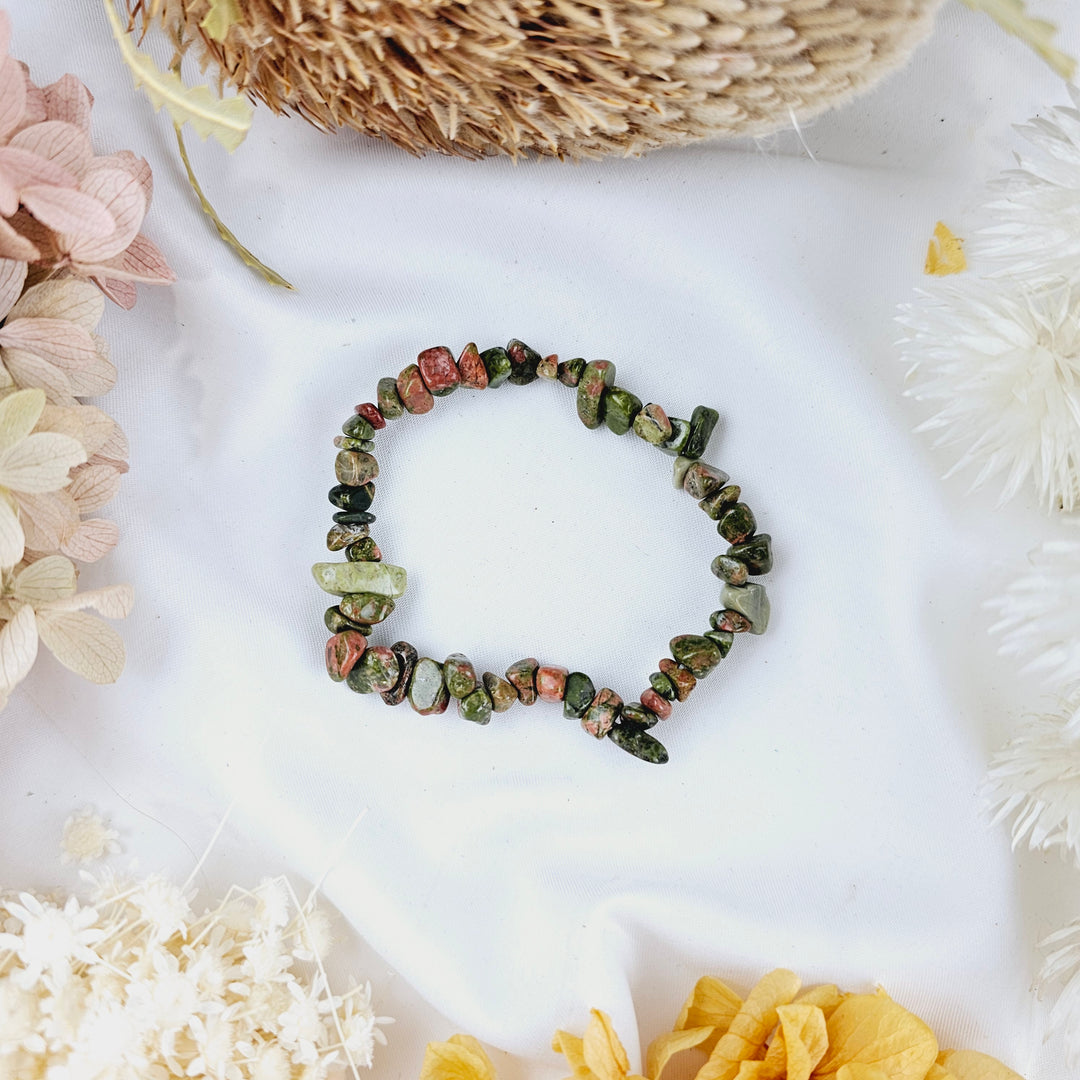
<point x="821" y="807"/>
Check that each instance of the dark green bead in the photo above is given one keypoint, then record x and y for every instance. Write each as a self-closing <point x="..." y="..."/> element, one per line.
<point x="578" y="695"/>
<point x="663" y="685"/>
<point x="697" y="654"/>
<point x="637" y="741"/>
<point x="497" y="365"/>
<point x="460" y="675"/>
<point x="636" y="715"/>
<point x="475" y="706"/>
<point x="570" y="371"/>
<point x="386" y="397"/>
<point x="376" y="672"/>
<point x="737" y="524"/>
<point x="730" y="570"/>
<point x="597" y="377"/>
<point x="406" y="658"/>
<point x="620" y="409"/>
<point x="722" y="639"/>
<point x="702" y="421"/>
<point x="755" y="552"/>
<point x="356" y="427"/>
<point x="366" y="607"/>
<point x="365" y="550"/>
<point x="353" y="500"/>
<point x="502" y="694"/>
<point x="336" y="622"/>
<point x="343" y="442"/>
<point x="680" y="432"/>
<point x="353" y="518"/>
<point x="523" y="362"/>
<point x="717" y="502"/>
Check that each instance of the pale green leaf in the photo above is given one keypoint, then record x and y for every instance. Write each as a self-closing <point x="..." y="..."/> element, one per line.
<point x="220" y="17"/>
<point x="47" y="579"/>
<point x="40" y="462"/>
<point x="18" y="648"/>
<point x="19" y="412"/>
<point x="82" y="643"/>
<point x="226" y="119"/>
<point x="1038" y="34"/>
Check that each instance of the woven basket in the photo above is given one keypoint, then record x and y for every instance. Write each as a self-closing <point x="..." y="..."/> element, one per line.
<point x="563" y="77"/>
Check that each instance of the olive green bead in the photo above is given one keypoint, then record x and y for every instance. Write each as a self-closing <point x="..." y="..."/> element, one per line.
<point x="354" y="468"/>
<point x="679" y="470"/>
<point x="460" y="675"/>
<point x="680" y="432"/>
<point x="636" y="715"/>
<point x="652" y="425"/>
<point x="697" y="654"/>
<point x="476" y="706"/>
<point x="578" y="695"/>
<point x="620" y="409"/>
<point x="366" y="607"/>
<point x="386" y="397"/>
<point x="497" y="365"/>
<point x="523" y="362"/>
<point x="702" y="421"/>
<point x="336" y="621"/>
<point x="730" y="570"/>
<point x="756" y="553"/>
<point x="356" y="427"/>
<point x="591" y="390"/>
<point x="715" y="504"/>
<point x="722" y="639"/>
<point x="663" y="685"/>
<point x="502" y="694"/>
<point x="365" y="550"/>
<point x="343" y="442"/>
<point x="376" y="671"/>
<point x="570" y="371"/>
<point x="737" y="523"/>
<point x="637" y="741"/>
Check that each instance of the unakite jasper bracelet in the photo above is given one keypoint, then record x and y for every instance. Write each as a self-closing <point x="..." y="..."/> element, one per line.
<point x="368" y="587"/>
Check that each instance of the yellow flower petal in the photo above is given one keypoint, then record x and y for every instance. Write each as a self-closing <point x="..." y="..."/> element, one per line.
<point x="751" y="1026"/>
<point x="826" y="998"/>
<point x="937" y="1072"/>
<point x="711" y="1004"/>
<point x="664" y="1047"/>
<point x="971" y="1065"/>
<point x="604" y="1054"/>
<point x="804" y="1037"/>
<point x="460" y="1058"/>
<point x="19" y="412"/>
<point x="945" y="255"/>
<point x="871" y="1029"/>
<point x="572" y="1048"/>
<point x="856" y="1071"/>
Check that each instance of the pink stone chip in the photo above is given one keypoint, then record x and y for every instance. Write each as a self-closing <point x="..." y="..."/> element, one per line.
<point x="655" y="703"/>
<point x="474" y="375"/>
<point x="414" y="395"/>
<point x="342" y="653"/>
<point x="734" y="622"/>
<point x="438" y="370"/>
<point x="370" y="412"/>
<point x="551" y="682"/>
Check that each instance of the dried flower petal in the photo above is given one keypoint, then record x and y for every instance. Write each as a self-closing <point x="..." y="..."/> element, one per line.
<point x="47" y="579"/>
<point x="18" y="648"/>
<point x="82" y="643"/>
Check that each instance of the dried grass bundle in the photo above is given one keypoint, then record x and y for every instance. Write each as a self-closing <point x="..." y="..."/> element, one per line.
<point x="560" y="77"/>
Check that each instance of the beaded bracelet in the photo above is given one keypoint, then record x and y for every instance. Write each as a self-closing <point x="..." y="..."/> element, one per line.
<point x="368" y="587"/>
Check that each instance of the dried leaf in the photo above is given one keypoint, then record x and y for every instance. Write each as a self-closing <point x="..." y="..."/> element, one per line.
<point x="47" y="579"/>
<point x="40" y="462"/>
<point x="92" y="486"/>
<point x="945" y="255"/>
<point x="460" y="1058"/>
<point x="113" y="601"/>
<point x="664" y="1047"/>
<point x="62" y="298"/>
<point x="61" y="143"/>
<point x="226" y="120"/>
<point x="18" y="648"/>
<point x="93" y="539"/>
<point x="19" y="412"/>
<point x="83" y="644"/>
<point x="12" y="538"/>
<point x="604" y="1053"/>
<point x="221" y="16"/>
<point x="12" y="277"/>
<point x="1012" y="16"/>
<point x="871" y="1029"/>
<point x="971" y="1065"/>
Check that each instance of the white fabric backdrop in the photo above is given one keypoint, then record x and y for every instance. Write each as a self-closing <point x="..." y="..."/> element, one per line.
<point x="820" y="810"/>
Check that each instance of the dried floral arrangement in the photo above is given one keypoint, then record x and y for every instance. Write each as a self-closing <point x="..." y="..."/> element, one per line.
<point x="996" y="350"/>
<point x="777" y="1033"/>
<point x="129" y="981"/>
<point x="69" y="237"/>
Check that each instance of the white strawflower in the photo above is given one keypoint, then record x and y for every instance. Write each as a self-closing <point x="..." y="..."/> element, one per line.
<point x="1062" y="967"/>
<point x="50" y="939"/>
<point x="1034" y="211"/>
<point x="1035" y="781"/>
<point x="87" y="838"/>
<point x="1039" y="613"/>
<point x="1002" y="367"/>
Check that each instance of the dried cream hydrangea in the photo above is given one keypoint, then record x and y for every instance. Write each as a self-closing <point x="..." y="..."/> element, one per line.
<point x="87" y="838"/>
<point x="135" y="984"/>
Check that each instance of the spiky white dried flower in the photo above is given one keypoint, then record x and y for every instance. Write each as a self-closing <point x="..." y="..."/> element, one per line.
<point x="1061" y="970"/>
<point x="1033" y="213"/>
<point x="1002" y="367"/>
<point x="138" y="984"/>
<point x="87" y="837"/>
<point x="1039" y="613"/>
<point x="1034" y="780"/>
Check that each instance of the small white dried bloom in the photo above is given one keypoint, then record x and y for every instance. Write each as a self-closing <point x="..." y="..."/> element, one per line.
<point x="1035" y="781"/>
<point x="163" y="905"/>
<point x="50" y="939"/>
<point x="1039" y="613"/>
<point x="1062" y="967"/>
<point x="1002" y="368"/>
<point x="87" y="838"/>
